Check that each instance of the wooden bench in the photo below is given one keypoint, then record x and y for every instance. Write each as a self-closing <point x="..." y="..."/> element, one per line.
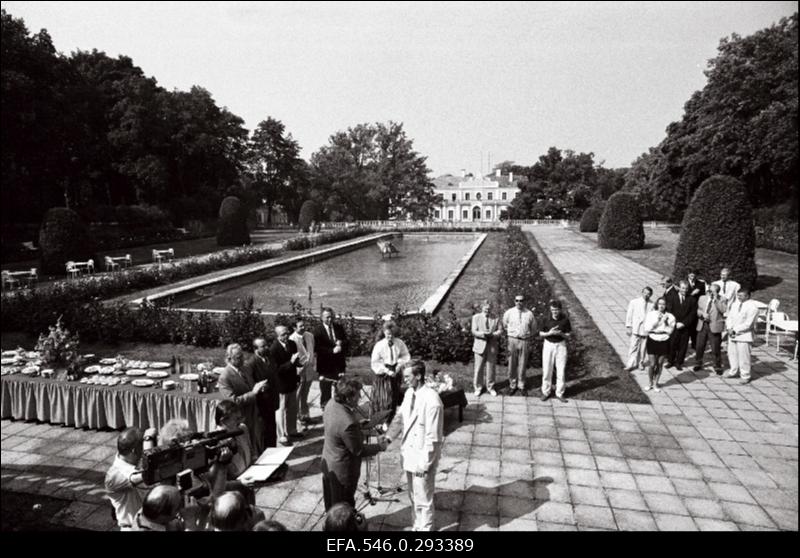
<point x="13" y="279"/>
<point x="117" y="262"/>
<point x="78" y="268"/>
<point x="160" y="255"/>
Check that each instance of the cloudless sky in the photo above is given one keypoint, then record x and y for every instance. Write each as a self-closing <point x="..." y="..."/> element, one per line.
<point x="466" y="79"/>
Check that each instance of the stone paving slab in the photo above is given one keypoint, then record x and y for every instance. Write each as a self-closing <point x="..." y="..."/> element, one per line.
<point x="697" y="458"/>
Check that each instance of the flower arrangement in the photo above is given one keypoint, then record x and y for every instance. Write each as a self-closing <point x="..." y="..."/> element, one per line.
<point x="59" y="346"/>
<point x="440" y="383"/>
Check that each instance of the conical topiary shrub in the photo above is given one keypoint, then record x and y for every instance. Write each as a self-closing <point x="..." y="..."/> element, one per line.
<point x="63" y="237"/>
<point x="718" y="232"/>
<point x="590" y="220"/>
<point x="621" y="224"/>
<point x="232" y="226"/>
<point x="309" y="212"/>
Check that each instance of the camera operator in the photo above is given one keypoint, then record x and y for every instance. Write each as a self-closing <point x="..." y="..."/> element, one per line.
<point x="122" y="478"/>
<point x="161" y="510"/>
<point x="228" y="417"/>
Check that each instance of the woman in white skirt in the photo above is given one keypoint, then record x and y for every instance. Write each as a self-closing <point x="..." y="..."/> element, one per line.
<point x="659" y="325"/>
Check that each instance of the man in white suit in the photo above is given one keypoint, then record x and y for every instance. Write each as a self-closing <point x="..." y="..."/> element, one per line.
<point x="486" y="329"/>
<point x="634" y="326"/>
<point x="306" y="366"/>
<point x="423" y="424"/>
<point x="727" y="286"/>
<point x="739" y="326"/>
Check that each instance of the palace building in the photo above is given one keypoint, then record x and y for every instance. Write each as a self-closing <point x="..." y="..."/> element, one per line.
<point x="471" y="198"/>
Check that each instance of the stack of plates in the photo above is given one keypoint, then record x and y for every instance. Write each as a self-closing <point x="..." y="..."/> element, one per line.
<point x="9" y="360"/>
<point x="93" y="369"/>
<point x="157" y="374"/>
<point x="136" y="372"/>
<point x="142" y="383"/>
<point x="159" y="365"/>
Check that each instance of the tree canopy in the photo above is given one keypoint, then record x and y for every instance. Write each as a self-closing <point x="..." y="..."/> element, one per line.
<point x="371" y="171"/>
<point x="743" y="124"/>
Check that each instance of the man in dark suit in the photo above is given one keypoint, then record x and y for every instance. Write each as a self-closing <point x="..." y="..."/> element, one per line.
<point x="684" y="308"/>
<point x="344" y="445"/>
<point x="697" y="288"/>
<point x="330" y="342"/>
<point x="262" y="367"/>
<point x="670" y="292"/>
<point x="236" y="383"/>
<point x="284" y="353"/>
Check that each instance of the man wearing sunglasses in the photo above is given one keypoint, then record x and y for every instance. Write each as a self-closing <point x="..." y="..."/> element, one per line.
<point x="520" y="325"/>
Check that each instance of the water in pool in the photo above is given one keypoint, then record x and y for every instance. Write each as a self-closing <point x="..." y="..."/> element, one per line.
<point x="359" y="282"/>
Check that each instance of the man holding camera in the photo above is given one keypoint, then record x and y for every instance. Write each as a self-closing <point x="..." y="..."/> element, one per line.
<point x="123" y="477"/>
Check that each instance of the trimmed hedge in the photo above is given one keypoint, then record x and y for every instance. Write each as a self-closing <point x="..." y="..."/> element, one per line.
<point x="621" y="224"/>
<point x="590" y="220"/>
<point x="718" y="232"/>
<point x="232" y="227"/>
<point x="63" y="237"/>
<point x="309" y="212"/>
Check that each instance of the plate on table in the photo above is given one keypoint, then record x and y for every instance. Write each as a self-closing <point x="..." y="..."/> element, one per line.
<point x="157" y="374"/>
<point x="30" y="370"/>
<point x="142" y="383"/>
<point x="136" y="372"/>
<point x="106" y="370"/>
<point x="7" y="361"/>
<point x="189" y="377"/>
<point x="6" y="370"/>
<point x="93" y="369"/>
<point x="32" y="355"/>
<point x="159" y="365"/>
<point x="8" y="354"/>
<point x="118" y="371"/>
<point x="108" y="361"/>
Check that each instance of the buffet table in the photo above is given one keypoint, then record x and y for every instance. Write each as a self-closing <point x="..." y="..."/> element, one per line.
<point x="97" y="406"/>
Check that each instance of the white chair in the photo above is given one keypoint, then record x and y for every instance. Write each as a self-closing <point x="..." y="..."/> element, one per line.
<point x="8" y="280"/>
<point x="781" y="326"/>
<point x="772" y="307"/>
<point x="111" y="265"/>
<point x="72" y="269"/>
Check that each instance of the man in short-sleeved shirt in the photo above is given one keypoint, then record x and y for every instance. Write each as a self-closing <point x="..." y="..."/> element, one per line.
<point x="556" y="328"/>
<point x="520" y="326"/>
<point x="121" y="478"/>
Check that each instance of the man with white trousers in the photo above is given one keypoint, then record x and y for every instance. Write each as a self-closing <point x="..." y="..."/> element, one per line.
<point x="739" y="327"/>
<point x="306" y="368"/>
<point x="634" y="326"/>
<point x="423" y="433"/>
<point x="556" y="328"/>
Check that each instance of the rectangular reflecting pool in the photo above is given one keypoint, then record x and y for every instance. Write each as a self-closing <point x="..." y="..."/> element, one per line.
<point x="359" y="282"/>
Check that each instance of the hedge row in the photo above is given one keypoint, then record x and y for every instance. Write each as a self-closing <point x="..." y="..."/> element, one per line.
<point x="776" y="228"/>
<point x="32" y="311"/>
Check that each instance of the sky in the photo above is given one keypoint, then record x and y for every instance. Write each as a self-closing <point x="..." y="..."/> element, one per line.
<point x="471" y="82"/>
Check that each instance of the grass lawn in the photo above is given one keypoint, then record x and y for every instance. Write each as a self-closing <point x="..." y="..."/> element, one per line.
<point x="479" y="279"/>
<point x="183" y="248"/>
<point x="777" y="271"/>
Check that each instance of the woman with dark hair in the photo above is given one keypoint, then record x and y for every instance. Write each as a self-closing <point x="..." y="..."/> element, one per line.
<point x="387" y="356"/>
<point x="659" y="325"/>
<point x="344" y="444"/>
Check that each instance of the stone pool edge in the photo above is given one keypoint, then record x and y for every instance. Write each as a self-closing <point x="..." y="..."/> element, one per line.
<point x="435" y="300"/>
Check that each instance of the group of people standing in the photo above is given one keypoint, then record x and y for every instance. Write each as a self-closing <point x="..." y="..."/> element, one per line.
<point x="696" y="313"/>
<point x="521" y="329"/>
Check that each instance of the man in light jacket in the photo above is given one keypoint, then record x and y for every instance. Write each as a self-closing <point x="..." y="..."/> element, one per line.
<point x="486" y="329"/>
<point x="306" y="367"/>
<point x="423" y="424"/>
<point x="710" y="324"/>
<point x="634" y="326"/>
<point x="739" y="326"/>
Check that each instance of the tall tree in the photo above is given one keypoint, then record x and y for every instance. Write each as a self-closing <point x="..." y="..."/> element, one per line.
<point x="743" y="123"/>
<point x="276" y="170"/>
<point x="371" y="171"/>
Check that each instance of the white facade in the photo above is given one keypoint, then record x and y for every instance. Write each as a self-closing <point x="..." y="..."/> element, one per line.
<point x="475" y="198"/>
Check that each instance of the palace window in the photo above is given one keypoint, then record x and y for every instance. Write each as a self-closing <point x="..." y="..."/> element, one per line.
<point x="489" y="196"/>
<point x="478" y="196"/>
<point x="436" y="213"/>
<point x="466" y="196"/>
<point x="450" y="214"/>
<point x="453" y="196"/>
<point x="465" y="215"/>
<point x="504" y="196"/>
<point x="488" y="214"/>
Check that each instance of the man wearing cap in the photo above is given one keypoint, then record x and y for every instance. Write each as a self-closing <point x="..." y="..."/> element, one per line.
<point x="520" y="325"/>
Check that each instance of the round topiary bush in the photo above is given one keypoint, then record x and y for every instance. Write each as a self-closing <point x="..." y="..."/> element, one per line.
<point x="309" y="212"/>
<point x="590" y="220"/>
<point x="717" y="232"/>
<point x="621" y="224"/>
<point x="63" y="237"/>
<point x="232" y="226"/>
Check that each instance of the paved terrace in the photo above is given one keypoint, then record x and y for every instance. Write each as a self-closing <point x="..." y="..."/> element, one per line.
<point x="706" y="455"/>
